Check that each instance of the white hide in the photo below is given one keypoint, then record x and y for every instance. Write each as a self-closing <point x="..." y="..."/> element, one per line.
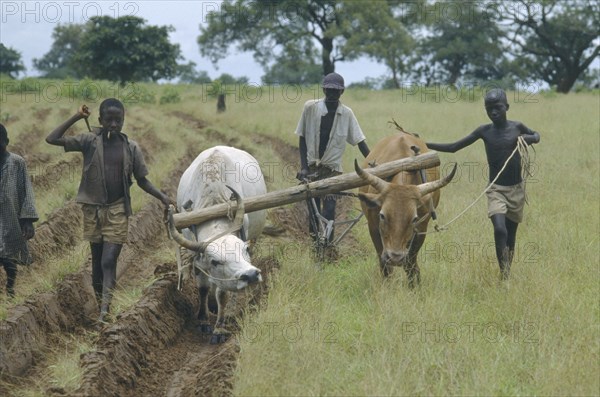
<point x="204" y="184"/>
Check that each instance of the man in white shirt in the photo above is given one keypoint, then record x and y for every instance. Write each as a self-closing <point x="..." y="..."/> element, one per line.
<point x="326" y="125"/>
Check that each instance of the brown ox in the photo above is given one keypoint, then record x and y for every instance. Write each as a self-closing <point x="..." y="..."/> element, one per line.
<point x="399" y="210"/>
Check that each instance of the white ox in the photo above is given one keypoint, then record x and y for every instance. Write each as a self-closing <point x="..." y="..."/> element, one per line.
<point x="221" y="245"/>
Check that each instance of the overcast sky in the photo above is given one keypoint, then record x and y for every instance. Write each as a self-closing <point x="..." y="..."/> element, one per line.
<point x="27" y="26"/>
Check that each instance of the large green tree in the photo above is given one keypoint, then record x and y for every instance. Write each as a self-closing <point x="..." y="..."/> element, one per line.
<point x="58" y="61"/>
<point x="269" y="29"/>
<point x="556" y="40"/>
<point x="465" y="42"/>
<point x="294" y="66"/>
<point x="382" y="33"/>
<point x="126" y="49"/>
<point x="10" y="61"/>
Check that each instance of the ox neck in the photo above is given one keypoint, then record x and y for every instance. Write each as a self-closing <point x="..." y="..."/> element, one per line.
<point x="206" y="231"/>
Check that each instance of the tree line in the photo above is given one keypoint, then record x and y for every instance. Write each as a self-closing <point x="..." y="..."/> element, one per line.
<point x="298" y="42"/>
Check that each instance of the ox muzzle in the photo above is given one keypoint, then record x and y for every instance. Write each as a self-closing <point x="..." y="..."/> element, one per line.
<point x="251" y="276"/>
<point x="394" y="258"/>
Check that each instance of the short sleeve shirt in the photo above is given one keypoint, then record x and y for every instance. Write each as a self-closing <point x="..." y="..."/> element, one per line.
<point x="345" y="130"/>
<point x="92" y="188"/>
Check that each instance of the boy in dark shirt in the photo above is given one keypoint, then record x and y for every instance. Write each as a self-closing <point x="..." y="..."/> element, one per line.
<point x="110" y="158"/>
<point x="506" y="195"/>
<point x="17" y="212"/>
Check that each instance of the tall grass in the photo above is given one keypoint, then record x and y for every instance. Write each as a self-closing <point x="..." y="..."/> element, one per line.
<point x="345" y="331"/>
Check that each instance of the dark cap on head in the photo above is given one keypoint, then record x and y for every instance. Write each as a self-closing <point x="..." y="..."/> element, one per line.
<point x="3" y="134"/>
<point x="496" y="95"/>
<point x="333" y="80"/>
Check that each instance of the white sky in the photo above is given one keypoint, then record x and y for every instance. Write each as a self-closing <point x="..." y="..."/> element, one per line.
<point x="27" y="27"/>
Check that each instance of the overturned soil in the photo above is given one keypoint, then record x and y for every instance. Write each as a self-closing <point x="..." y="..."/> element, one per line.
<point x="154" y="348"/>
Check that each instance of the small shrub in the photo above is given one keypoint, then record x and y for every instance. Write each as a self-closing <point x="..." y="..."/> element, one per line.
<point x="137" y="93"/>
<point x="170" y="95"/>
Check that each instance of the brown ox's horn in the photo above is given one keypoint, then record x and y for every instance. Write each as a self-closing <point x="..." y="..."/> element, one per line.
<point x="429" y="187"/>
<point x="200" y="246"/>
<point x="378" y="183"/>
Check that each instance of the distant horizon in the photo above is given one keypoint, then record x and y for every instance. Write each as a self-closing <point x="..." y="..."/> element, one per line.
<point x="27" y="27"/>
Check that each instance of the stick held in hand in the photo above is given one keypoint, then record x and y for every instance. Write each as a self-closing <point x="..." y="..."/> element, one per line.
<point x="85" y="112"/>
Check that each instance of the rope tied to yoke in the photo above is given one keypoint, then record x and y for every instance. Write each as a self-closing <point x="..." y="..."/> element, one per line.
<point x="522" y="148"/>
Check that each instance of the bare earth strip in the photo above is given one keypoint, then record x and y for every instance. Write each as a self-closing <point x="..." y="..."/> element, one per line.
<point x="123" y="346"/>
<point x="29" y="327"/>
<point x="154" y="349"/>
<point x="151" y="349"/>
<point x="58" y="234"/>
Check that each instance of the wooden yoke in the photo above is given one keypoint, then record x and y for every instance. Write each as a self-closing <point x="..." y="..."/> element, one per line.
<point x="301" y="192"/>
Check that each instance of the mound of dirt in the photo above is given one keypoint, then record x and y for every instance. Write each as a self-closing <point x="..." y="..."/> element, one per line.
<point x="123" y="346"/>
<point x="197" y="123"/>
<point x="26" y="331"/>
<point x="45" y="176"/>
<point x="58" y="234"/>
<point x="156" y="349"/>
<point x="29" y="328"/>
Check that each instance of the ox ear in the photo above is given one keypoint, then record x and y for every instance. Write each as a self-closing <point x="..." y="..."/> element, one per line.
<point x="426" y="188"/>
<point x="370" y="199"/>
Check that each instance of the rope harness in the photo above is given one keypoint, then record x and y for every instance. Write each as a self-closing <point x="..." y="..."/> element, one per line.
<point x="525" y="165"/>
<point x="181" y="267"/>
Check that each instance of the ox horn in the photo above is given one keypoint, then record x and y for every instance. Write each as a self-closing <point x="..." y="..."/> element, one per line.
<point x="200" y="246"/>
<point x="179" y="238"/>
<point x="378" y="183"/>
<point x="428" y="187"/>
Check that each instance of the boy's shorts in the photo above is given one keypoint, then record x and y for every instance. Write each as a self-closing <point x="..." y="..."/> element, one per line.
<point x="508" y="200"/>
<point x="105" y="223"/>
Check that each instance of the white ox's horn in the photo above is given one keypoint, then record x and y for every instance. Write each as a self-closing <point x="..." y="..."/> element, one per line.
<point x="429" y="187"/>
<point x="377" y="183"/>
<point x="200" y="246"/>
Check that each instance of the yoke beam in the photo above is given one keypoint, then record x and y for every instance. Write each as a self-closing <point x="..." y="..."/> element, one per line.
<point x="302" y="192"/>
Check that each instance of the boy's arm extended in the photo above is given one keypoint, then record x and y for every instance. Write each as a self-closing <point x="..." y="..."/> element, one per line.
<point x="453" y="147"/>
<point x="56" y="136"/>
<point x="149" y="188"/>
<point x="530" y="136"/>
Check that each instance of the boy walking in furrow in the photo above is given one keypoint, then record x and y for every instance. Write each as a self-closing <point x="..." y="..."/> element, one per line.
<point x="110" y="159"/>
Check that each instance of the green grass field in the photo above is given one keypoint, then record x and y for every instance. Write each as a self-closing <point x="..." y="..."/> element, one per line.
<point x="344" y="330"/>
